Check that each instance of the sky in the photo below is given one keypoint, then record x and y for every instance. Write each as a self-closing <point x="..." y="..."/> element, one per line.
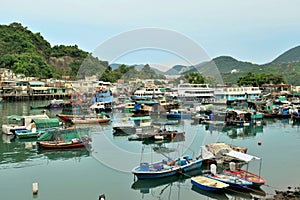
<point x="250" y="30"/>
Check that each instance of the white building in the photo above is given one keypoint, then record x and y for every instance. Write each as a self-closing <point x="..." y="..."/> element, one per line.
<point x="232" y="93"/>
<point x="191" y="92"/>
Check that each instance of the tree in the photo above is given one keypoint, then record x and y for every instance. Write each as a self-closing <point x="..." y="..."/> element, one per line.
<point x="257" y="80"/>
<point x="194" y="78"/>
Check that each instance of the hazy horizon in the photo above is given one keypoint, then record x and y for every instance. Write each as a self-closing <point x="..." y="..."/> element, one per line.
<point x="253" y="31"/>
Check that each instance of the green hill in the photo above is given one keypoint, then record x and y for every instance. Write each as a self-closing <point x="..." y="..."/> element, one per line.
<point x="292" y="55"/>
<point x="30" y="54"/>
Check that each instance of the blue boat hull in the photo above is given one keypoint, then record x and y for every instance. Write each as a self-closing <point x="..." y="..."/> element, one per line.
<point x="207" y="188"/>
<point x="160" y="174"/>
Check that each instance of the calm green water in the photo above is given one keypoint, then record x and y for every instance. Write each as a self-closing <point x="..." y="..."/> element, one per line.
<point x="105" y="166"/>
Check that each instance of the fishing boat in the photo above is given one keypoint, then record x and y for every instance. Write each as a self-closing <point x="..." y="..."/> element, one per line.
<point x="209" y="184"/>
<point x="62" y="144"/>
<point x="178" y="114"/>
<point x="256" y="180"/>
<point x="17" y="122"/>
<point x="166" y="168"/>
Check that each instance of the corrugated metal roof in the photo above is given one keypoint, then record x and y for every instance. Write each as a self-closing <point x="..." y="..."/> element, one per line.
<point x="36" y="83"/>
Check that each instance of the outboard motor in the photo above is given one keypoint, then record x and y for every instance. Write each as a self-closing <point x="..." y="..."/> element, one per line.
<point x="213" y="169"/>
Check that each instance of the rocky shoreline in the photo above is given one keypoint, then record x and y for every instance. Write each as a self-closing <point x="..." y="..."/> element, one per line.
<point x="289" y="194"/>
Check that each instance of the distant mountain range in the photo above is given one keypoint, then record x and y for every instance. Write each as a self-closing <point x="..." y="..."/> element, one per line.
<point x="288" y="64"/>
<point x="30" y="54"/>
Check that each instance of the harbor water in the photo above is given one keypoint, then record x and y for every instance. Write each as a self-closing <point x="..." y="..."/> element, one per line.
<point x="104" y="166"/>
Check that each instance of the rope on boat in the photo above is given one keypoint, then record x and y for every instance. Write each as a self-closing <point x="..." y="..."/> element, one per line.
<point x="184" y="174"/>
<point x="261" y="193"/>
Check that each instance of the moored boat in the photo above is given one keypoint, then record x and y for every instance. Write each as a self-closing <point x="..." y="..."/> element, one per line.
<point x="209" y="184"/>
<point x="166" y="168"/>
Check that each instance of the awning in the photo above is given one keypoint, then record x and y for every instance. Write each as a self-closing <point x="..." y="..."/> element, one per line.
<point x="40" y="88"/>
<point x="241" y="156"/>
<point x="15" y="117"/>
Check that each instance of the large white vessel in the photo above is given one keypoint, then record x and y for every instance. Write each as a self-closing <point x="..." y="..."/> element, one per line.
<point x="196" y="92"/>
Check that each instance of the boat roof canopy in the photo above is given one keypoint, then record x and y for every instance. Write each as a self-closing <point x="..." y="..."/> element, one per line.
<point x="15" y="117"/>
<point x="242" y="156"/>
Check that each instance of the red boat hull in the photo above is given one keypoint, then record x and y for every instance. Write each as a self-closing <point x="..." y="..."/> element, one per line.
<point x="255" y="179"/>
<point x="60" y="145"/>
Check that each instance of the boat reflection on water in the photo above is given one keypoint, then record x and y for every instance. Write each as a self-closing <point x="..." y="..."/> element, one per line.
<point x="65" y="154"/>
<point x="144" y="185"/>
<point x="211" y="195"/>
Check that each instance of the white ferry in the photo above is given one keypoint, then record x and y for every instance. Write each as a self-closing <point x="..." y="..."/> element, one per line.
<point x="198" y="92"/>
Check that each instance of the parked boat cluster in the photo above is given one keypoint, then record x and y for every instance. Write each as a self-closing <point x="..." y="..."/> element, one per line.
<point x="137" y="124"/>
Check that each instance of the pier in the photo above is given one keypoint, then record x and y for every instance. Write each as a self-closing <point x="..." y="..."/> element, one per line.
<point x="18" y="97"/>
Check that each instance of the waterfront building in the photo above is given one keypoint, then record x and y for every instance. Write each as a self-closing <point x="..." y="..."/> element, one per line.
<point x="232" y="93"/>
<point x="195" y="92"/>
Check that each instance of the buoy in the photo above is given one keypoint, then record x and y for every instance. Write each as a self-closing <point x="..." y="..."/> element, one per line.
<point x="35" y="188"/>
<point x="259" y="142"/>
<point x="232" y="166"/>
<point x="102" y="197"/>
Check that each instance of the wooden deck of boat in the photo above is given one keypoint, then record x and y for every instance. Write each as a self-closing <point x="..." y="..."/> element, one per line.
<point x="209" y="182"/>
